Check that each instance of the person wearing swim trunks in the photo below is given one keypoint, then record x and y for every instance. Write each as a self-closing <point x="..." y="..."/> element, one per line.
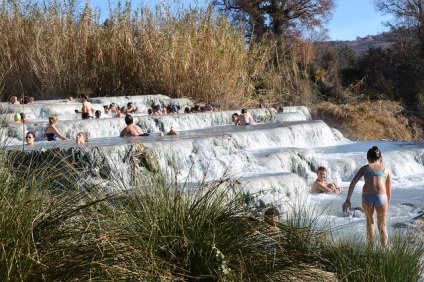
<point x="51" y="133"/>
<point x="245" y="118"/>
<point x="131" y="130"/>
<point x="376" y="194"/>
<point x="87" y="109"/>
<point x="322" y="186"/>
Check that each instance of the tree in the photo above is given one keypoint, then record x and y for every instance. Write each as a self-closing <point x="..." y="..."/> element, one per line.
<point x="408" y="16"/>
<point x="408" y="26"/>
<point x="284" y="17"/>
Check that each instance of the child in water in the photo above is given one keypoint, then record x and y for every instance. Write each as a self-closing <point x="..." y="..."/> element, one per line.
<point x="322" y="186"/>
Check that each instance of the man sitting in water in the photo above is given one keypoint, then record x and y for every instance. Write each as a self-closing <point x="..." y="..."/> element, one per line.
<point x="131" y="109"/>
<point x="131" y="130"/>
<point x="322" y="186"/>
<point x="122" y="112"/>
<point x="235" y="118"/>
<point x="14" y="100"/>
<point x="245" y="118"/>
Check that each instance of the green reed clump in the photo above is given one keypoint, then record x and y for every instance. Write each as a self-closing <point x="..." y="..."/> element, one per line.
<point x="200" y="234"/>
<point x="24" y="199"/>
<point x="57" y="225"/>
<point x="353" y="260"/>
<point x="48" y="229"/>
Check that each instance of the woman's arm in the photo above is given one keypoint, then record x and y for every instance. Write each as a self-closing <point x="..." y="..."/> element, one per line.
<point x="58" y="134"/>
<point x="389" y="186"/>
<point x="352" y="185"/>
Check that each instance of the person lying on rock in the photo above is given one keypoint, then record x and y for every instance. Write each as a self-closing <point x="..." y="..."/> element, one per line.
<point x="87" y="109"/>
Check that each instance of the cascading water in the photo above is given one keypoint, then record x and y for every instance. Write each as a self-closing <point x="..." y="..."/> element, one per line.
<point x="273" y="162"/>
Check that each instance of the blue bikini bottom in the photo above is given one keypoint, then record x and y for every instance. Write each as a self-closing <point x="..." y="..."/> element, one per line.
<point x="374" y="200"/>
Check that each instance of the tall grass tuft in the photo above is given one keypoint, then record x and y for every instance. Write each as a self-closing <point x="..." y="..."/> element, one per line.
<point x="353" y="260"/>
<point x="57" y="226"/>
<point x="280" y="72"/>
<point x="202" y="233"/>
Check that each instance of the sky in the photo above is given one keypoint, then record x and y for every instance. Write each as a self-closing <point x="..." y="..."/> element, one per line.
<point x="351" y="18"/>
<point x="354" y="18"/>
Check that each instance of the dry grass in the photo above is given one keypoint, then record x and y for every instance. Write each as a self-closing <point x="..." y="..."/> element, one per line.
<point x="371" y="120"/>
<point x="57" y="50"/>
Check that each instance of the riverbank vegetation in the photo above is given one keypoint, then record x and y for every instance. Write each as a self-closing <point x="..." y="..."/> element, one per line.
<point x="56" y="226"/>
<point x="57" y="49"/>
<point x="376" y="120"/>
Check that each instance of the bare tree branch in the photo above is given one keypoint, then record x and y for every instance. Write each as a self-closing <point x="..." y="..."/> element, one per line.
<point x="277" y="17"/>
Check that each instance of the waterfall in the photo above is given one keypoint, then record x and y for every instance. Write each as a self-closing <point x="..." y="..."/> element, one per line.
<point x="65" y="110"/>
<point x="274" y="162"/>
<point x="110" y="127"/>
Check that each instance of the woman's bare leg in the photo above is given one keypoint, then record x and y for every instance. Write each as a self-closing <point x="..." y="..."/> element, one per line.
<point x="382" y="212"/>
<point x="369" y="214"/>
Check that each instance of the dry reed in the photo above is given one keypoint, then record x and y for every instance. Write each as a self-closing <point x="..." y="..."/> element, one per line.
<point x="369" y="120"/>
<point x="56" y="50"/>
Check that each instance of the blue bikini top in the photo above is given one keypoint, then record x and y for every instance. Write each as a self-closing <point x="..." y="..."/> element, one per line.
<point x="51" y="137"/>
<point x="375" y="173"/>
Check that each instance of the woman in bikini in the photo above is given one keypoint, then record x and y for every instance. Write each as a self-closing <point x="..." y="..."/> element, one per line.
<point x="51" y="133"/>
<point x="376" y="194"/>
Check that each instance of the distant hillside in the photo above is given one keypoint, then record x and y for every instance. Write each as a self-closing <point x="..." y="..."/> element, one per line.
<point x="360" y="45"/>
